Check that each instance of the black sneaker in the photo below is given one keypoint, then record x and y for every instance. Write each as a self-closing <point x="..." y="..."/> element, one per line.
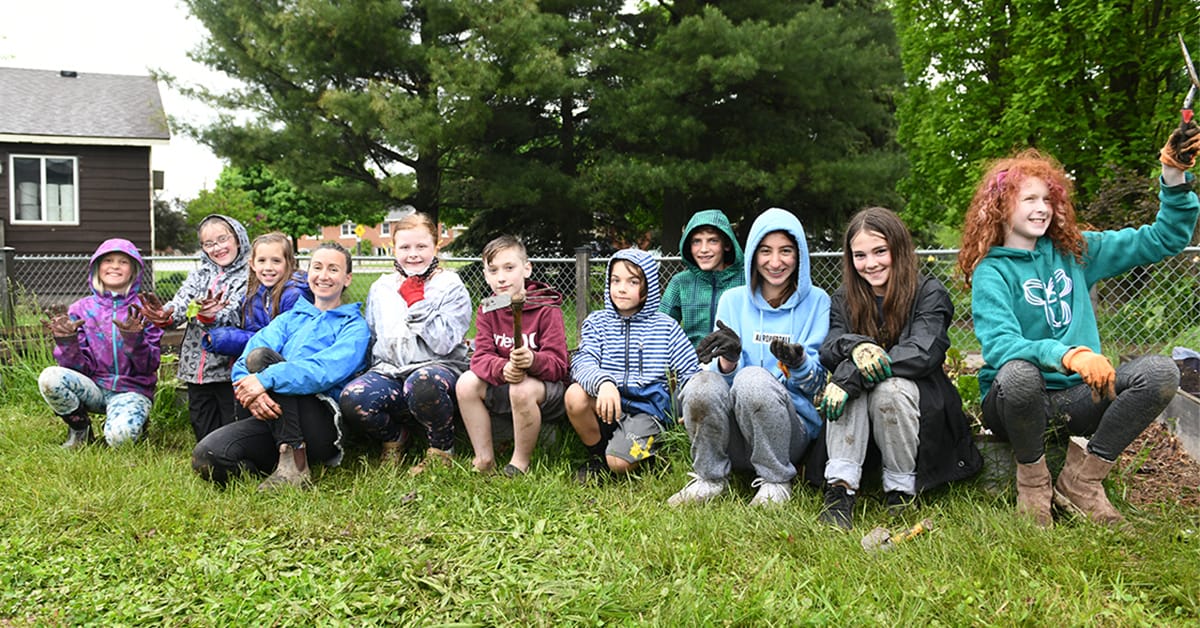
<point x="594" y="470"/>
<point x="897" y="503"/>
<point x="839" y="507"/>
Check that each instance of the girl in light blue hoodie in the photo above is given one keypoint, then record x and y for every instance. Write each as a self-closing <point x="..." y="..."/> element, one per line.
<point x="754" y="410"/>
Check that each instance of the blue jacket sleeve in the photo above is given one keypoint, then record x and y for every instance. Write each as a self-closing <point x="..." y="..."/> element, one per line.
<point x="226" y="340"/>
<point x="324" y="369"/>
<point x="585" y="364"/>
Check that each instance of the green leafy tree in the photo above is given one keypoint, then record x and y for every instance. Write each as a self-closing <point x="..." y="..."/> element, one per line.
<point x="747" y="105"/>
<point x="171" y="229"/>
<point x="1096" y="85"/>
<point x="227" y="201"/>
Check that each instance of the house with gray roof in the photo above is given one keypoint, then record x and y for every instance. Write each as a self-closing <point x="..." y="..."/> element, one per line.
<point x="75" y="159"/>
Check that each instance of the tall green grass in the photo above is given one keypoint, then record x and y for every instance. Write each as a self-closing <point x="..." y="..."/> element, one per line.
<point x="131" y="536"/>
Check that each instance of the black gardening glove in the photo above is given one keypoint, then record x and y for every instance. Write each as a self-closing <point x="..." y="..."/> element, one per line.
<point x="723" y="342"/>
<point x="1180" y="149"/>
<point x="790" y="356"/>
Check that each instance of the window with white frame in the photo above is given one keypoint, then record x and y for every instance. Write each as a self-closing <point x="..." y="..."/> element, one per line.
<point x="347" y="229"/>
<point x="385" y="228"/>
<point x="44" y="189"/>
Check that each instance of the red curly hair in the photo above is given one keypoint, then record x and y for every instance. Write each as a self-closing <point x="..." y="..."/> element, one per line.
<point x="986" y="222"/>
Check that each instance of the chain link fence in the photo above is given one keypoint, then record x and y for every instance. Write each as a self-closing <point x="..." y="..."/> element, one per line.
<point x="1147" y="310"/>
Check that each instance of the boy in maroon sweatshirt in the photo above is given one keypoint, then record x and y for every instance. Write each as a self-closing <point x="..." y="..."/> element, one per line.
<point x="525" y="383"/>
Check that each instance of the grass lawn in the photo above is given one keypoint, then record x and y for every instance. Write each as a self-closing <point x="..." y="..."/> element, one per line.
<point x="130" y="536"/>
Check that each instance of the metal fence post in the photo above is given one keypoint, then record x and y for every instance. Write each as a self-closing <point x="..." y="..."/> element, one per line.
<point x="582" y="286"/>
<point x="6" y="297"/>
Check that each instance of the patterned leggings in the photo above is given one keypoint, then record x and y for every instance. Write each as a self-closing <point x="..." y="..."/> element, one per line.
<point x="72" y="395"/>
<point x="379" y="403"/>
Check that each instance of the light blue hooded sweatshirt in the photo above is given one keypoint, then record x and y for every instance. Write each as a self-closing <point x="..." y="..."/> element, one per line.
<point x="803" y="318"/>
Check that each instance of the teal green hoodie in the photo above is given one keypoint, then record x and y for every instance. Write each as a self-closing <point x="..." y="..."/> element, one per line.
<point x="1034" y="305"/>
<point x="692" y="295"/>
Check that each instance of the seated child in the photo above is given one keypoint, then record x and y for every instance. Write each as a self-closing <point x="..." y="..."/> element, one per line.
<point x="526" y="382"/>
<point x="107" y="354"/>
<point x="628" y="352"/>
<point x="713" y="263"/>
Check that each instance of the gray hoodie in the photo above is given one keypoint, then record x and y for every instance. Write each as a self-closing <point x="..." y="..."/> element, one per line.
<point x="197" y="366"/>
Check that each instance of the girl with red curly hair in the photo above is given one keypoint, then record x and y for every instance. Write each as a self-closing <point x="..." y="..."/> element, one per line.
<point x="1030" y="267"/>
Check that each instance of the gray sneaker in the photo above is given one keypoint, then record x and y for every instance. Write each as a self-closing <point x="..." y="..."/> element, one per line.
<point x="698" y="491"/>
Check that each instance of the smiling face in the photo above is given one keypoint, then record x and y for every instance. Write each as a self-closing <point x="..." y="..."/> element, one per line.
<point x="872" y="259"/>
<point x="269" y="263"/>
<point x="507" y="271"/>
<point x="415" y="250"/>
<point x="1030" y="215"/>
<point x="708" y="247"/>
<point x="626" y="288"/>
<point x="776" y="260"/>
<point x="328" y="276"/>
<point x="219" y="242"/>
<point x="115" y="272"/>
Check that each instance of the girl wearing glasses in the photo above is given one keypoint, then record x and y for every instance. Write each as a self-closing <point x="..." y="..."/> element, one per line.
<point x="210" y="296"/>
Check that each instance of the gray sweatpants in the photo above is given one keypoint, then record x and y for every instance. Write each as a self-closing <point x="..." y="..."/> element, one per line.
<point x="749" y="426"/>
<point x="1018" y="408"/>
<point x="892" y="411"/>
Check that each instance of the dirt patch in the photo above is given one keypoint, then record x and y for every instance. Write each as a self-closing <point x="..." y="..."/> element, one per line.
<point x="1158" y="470"/>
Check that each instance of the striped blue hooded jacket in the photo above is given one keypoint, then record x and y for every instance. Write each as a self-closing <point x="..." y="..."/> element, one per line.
<point x="638" y="352"/>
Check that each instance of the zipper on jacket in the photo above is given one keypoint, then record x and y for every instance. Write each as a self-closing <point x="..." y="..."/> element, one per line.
<point x="113" y="331"/>
<point x="628" y="324"/>
<point x="712" y="299"/>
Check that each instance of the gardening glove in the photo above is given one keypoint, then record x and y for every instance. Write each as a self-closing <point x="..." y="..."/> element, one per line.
<point x="1095" y="369"/>
<point x="832" y="401"/>
<point x="872" y="361"/>
<point x="413" y="289"/>
<point x="723" y="342"/>
<point x="1180" y="150"/>
<point x="790" y="356"/>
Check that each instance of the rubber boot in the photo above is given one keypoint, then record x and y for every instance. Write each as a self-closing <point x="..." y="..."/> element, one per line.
<point x="1080" y="487"/>
<point x="79" y="429"/>
<point x="291" y="471"/>
<point x="1034" y="492"/>
<point x="78" y="437"/>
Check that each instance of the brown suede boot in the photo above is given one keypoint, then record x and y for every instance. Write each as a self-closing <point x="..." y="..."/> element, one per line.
<point x="1034" y="492"/>
<point x="392" y="454"/>
<point x="291" y="470"/>
<point x="1080" y="487"/>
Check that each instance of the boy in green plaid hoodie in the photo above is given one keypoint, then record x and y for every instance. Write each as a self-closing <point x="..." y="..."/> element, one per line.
<point x="713" y="263"/>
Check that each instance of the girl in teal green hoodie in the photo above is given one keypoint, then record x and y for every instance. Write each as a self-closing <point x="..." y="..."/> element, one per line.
<point x="1030" y="268"/>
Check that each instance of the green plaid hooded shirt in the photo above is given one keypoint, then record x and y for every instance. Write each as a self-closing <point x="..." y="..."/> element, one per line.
<point x="692" y="294"/>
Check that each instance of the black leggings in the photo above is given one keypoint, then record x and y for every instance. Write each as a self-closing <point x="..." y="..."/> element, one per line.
<point x="1018" y="408"/>
<point x="250" y="445"/>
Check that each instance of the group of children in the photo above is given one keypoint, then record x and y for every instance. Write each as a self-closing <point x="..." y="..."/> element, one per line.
<point x="767" y="372"/>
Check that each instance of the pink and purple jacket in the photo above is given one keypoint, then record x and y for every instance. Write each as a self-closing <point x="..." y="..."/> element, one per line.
<point x="115" y="360"/>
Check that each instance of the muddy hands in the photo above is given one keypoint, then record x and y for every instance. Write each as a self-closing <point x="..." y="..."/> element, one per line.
<point x="152" y="310"/>
<point x="134" y="321"/>
<point x="59" y="324"/>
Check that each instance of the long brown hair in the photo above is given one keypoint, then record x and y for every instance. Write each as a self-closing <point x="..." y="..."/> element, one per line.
<point x="901" y="288"/>
<point x="996" y="196"/>
<point x="252" y="282"/>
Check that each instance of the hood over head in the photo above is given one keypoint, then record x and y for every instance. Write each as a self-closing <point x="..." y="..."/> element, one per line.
<point x="776" y="219"/>
<point x="649" y="267"/>
<point x="716" y="219"/>
<point x="116" y="245"/>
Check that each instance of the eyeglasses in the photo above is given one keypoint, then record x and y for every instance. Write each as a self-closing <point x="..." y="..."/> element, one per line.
<point x="212" y="244"/>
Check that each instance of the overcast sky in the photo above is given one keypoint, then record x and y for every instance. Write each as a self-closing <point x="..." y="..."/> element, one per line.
<point x="122" y="37"/>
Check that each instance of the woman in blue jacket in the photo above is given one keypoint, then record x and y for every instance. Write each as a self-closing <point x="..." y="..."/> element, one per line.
<point x="753" y="410"/>
<point x="288" y="378"/>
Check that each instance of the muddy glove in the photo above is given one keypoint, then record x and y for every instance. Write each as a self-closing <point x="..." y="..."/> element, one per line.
<point x="1181" y="148"/>
<point x="790" y="356"/>
<point x="832" y="401"/>
<point x="723" y="342"/>
<point x="872" y="361"/>
<point x="1095" y="369"/>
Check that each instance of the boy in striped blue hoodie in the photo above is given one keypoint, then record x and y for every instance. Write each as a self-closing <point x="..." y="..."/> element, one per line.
<point x="628" y="352"/>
